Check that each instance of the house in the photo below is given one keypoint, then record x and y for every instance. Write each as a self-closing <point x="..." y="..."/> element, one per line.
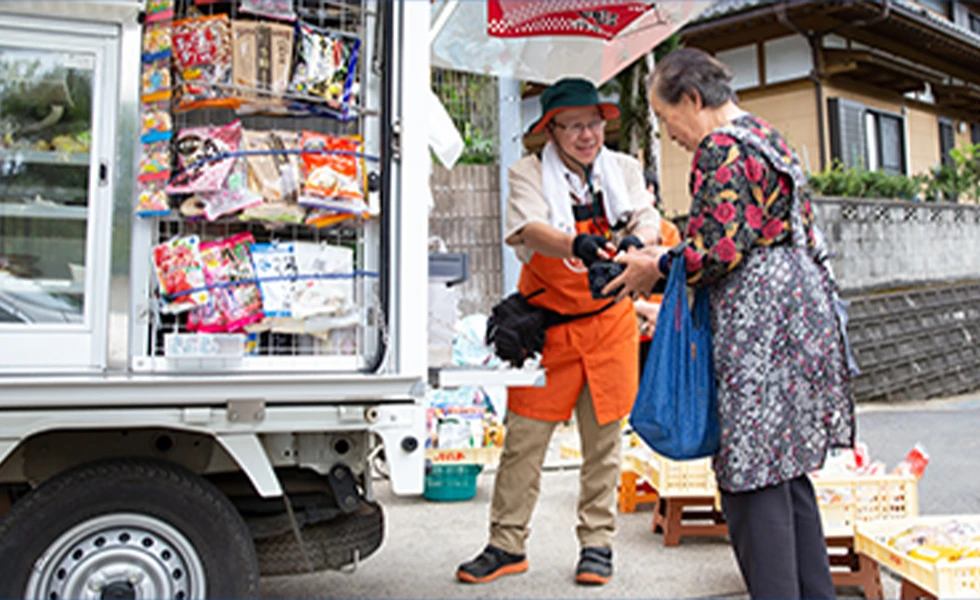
<point x="883" y="84"/>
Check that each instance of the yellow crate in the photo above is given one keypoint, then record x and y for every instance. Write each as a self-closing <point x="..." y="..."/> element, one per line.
<point x="861" y="499"/>
<point x="674" y="478"/>
<point x="943" y="579"/>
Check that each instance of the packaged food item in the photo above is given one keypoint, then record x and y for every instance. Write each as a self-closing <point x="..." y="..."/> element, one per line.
<point x="333" y="171"/>
<point x="914" y="463"/>
<point x="274" y="9"/>
<point x="325" y="284"/>
<point x="180" y="274"/>
<point x="274" y="168"/>
<point x="233" y="196"/>
<point x="157" y="41"/>
<point x="321" y="218"/>
<point x="275" y="269"/>
<point x="155" y="81"/>
<point x="154" y="162"/>
<point x="204" y="158"/>
<point x="234" y="298"/>
<point x="326" y="68"/>
<point x="157" y="125"/>
<point x="262" y="60"/>
<point x="153" y="199"/>
<point x="159" y="10"/>
<point x="202" y="61"/>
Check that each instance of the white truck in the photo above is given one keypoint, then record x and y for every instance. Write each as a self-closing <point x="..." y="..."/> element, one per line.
<point x="128" y="470"/>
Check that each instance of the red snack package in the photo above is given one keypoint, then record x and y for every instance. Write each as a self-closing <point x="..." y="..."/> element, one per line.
<point x="914" y="462"/>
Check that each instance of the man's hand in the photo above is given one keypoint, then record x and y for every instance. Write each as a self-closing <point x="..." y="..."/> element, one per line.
<point x="647" y="313"/>
<point x="589" y="247"/>
<point x="640" y="272"/>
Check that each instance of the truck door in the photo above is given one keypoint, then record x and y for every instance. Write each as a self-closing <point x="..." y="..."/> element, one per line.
<point x="58" y="106"/>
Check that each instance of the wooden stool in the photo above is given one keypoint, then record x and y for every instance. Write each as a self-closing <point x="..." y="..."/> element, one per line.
<point x="632" y="491"/>
<point x="670" y="516"/>
<point x="859" y="570"/>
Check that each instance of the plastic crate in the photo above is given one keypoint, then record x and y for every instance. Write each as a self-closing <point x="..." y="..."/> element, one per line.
<point x="450" y="483"/>
<point x="674" y="478"/>
<point x="943" y="579"/>
<point x="846" y="500"/>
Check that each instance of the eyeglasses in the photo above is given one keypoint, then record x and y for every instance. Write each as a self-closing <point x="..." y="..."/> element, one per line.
<point x="577" y="129"/>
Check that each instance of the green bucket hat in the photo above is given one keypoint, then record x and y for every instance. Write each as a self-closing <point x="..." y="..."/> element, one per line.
<point x="571" y="93"/>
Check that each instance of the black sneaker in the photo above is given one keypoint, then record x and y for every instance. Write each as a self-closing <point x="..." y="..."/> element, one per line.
<point x="594" y="566"/>
<point x="491" y="564"/>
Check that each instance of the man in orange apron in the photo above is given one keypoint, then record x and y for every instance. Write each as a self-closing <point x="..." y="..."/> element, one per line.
<point x="564" y="206"/>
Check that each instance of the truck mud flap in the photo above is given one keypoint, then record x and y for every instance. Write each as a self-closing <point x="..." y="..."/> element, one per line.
<point x="331" y="545"/>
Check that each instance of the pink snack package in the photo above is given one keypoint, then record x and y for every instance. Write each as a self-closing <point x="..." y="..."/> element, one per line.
<point x="233" y="305"/>
<point x="179" y="271"/>
<point x="196" y="149"/>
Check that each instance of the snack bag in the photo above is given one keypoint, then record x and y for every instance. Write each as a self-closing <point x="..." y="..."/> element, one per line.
<point x="275" y="268"/>
<point x="154" y="162"/>
<point x="235" y="300"/>
<point x="152" y="199"/>
<point x="197" y="149"/>
<point x="157" y="42"/>
<point x="202" y="61"/>
<point x="274" y="9"/>
<point x="180" y="274"/>
<point x="262" y="59"/>
<point x="325" y="284"/>
<point x="332" y="171"/>
<point x="914" y="463"/>
<point x="326" y="66"/>
<point x="155" y="81"/>
<point x="159" y="10"/>
<point x="234" y="196"/>
<point x="274" y="172"/>
<point x="157" y="125"/>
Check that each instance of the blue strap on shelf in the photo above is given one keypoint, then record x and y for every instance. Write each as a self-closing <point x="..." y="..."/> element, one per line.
<point x="256" y="280"/>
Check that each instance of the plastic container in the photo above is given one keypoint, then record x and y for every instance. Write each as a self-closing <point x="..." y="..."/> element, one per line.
<point x="450" y="483"/>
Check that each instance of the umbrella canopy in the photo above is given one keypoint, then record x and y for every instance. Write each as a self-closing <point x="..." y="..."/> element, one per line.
<point x="545" y="40"/>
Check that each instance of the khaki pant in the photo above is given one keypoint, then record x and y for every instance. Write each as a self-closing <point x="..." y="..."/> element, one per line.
<point x="518" y="480"/>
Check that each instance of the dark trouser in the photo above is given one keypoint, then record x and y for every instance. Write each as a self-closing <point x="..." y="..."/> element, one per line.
<point x="778" y="541"/>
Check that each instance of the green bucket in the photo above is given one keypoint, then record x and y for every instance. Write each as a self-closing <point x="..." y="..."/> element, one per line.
<point x="450" y="483"/>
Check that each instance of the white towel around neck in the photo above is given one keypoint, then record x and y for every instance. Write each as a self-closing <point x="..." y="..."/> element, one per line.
<point x="615" y="198"/>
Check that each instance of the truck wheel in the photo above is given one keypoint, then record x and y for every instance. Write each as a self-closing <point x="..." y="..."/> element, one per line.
<point x="126" y="529"/>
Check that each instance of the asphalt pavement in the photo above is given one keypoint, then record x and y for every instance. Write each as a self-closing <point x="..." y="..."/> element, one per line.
<point x="426" y="540"/>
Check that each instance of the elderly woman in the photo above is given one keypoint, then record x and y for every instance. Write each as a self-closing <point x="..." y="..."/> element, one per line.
<point x="783" y="394"/>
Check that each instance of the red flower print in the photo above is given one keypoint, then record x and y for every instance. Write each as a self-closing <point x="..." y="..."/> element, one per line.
<point x="753" y="216"/>
<point x="694" y="225"/>
<point x="773" y="228"/>
<point x="725" y="250"/>
<point x="721" y="140"/>
<point x="698" y="180"/>
<point x="723" y="175"/>
<point x="807" y="209"/>
<point x="753" y="170"/>
<point x="692" y="258"/>
<point x="785" y="148"/>
<point x="697" y="156"/>
<point x="725" y="212"/>
<point x="783" y="186"/>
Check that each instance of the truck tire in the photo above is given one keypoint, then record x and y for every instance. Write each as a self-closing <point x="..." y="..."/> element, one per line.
<point x="126" y="529"/>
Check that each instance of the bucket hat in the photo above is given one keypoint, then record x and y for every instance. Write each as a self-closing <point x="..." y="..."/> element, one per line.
<point x="571" y="93"/>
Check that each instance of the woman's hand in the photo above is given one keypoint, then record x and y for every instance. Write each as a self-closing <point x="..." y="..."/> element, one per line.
<point x="640" y="274"/>
<point x="647" y="313"/>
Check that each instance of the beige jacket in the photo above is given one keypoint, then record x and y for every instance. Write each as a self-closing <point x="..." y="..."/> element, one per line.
<point x="526" y="203"/>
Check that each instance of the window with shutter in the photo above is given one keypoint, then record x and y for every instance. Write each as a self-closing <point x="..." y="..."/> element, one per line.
<point x="891" y="143"/>
<point x="847" y="132"/>
<point x="947" y="140"/>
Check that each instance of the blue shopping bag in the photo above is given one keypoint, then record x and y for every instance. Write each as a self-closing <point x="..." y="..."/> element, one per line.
<point x="676" y="408"/>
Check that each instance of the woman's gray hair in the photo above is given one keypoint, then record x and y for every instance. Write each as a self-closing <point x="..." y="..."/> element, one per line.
<point x="689" y="71"/>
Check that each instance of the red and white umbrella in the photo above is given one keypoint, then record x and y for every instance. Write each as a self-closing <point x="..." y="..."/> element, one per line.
<point x="545" y="40"/>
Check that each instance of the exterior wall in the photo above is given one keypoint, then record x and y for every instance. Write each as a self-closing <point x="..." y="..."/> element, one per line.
<point x="923" y="128"/>
<point x="791" y="108"/>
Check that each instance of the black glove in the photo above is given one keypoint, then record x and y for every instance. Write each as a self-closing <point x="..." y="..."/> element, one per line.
<point x="629" y="241"/>
<point x="600" y="274"/>
<point x="586" y="247"/>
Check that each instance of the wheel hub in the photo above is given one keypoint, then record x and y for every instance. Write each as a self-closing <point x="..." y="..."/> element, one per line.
<point x="118" y="557"/>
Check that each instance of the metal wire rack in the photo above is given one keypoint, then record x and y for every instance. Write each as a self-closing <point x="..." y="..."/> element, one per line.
<point x="274" y="343"/>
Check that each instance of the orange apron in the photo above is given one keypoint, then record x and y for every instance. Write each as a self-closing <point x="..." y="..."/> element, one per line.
<point x="602" y="349"/>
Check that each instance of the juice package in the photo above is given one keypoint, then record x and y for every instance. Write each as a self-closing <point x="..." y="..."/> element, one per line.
<point x="326" y="68"/>
<point x="234" y="298"/>
<point x="274" y="9"/>
<point x="262" y="60"/>
<point x="197" y="151"/>
<point x="332" y="171"/>
<point x="202" y="62"/>
<point x="180" y="274"/>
